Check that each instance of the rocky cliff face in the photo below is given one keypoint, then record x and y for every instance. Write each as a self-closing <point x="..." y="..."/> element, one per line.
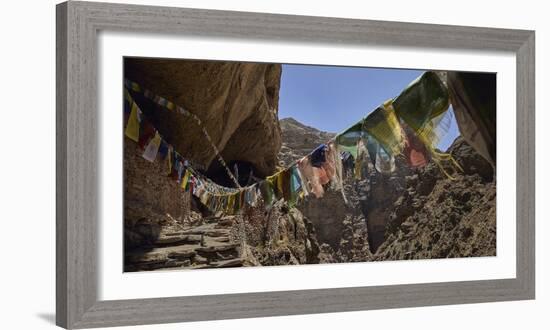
<point x="237" y="103"/>
<point x="410" y="214"/>
<point x="435" y="217"/>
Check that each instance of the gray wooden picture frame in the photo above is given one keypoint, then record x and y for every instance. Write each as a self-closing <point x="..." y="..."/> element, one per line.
<point x="78" y="24"/>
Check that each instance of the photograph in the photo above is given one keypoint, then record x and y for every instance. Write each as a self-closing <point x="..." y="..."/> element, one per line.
<point x="241" y="164"/>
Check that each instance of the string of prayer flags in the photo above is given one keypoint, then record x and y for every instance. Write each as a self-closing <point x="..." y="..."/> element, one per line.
<point x="135" y="87"/>
<point x="409" y="125"/>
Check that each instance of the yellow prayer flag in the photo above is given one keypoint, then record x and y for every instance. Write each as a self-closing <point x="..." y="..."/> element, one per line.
<point x="230" y="204"/>
<point x="383" y="125"/>
<point x="185" y="179"/>
<point x="132" y="127"/>
<point x="280" y="186"/>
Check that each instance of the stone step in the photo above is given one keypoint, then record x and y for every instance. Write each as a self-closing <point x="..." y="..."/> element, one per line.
<point x="237" y="262"/>
<point x="222" y="239"/>
<point x="198" y="260"/>
<point x="208" y="245"/>
<point x="182" y="255"/>
<point x="160" y="254"/>
<point x="213" y="232"/>
<point x="218" y="233"/>
<point x="225" y="222"/>
<point x="226" y="255"/>
<point x="178" y="239"/>
<point x="212" y="229"/>
<point x="216" y="248"/>
<point x="168" y="263"/>
<point x="177" y="263"/>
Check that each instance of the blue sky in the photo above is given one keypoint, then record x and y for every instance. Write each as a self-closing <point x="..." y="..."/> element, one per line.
<point x="332" y="98"/>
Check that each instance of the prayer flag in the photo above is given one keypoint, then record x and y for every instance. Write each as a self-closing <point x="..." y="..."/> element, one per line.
<point x="347" y="141"/>
<point x="185" y="180"/>
<point x="163" y="149"/>
<point x="383" y="125"/>
<point x="151" y="151"/>
<point x="423" y="100"/>
<point x="132" y="127"/>
<point x="415" y="152"/>
<point x="266" y="189"/>
<point x="385" y="163"/>
<point x="146" y="133"/>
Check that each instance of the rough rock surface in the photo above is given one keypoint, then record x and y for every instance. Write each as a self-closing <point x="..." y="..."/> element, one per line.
<point x="280" y="236"/>
<point x="237" y="103"/>
<point x="441" y="218"/>
<point x="152" y="200"/>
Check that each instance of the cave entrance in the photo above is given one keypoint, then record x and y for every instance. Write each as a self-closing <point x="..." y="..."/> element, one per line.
<point x="244" y="171"/>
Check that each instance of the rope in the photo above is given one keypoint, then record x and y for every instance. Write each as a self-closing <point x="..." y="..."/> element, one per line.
<point x="163" y="102"/>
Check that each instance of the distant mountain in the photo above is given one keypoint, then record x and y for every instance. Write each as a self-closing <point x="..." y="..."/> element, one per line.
<point x="299" y="140"/>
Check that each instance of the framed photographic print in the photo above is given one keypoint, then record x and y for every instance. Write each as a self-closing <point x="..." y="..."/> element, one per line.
<point x="216" y="165"/>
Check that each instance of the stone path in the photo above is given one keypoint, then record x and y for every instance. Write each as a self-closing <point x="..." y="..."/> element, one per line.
<point x="208" y="245"/>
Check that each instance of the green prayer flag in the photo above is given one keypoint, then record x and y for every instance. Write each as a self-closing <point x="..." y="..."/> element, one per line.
<point x="423" y="100"/>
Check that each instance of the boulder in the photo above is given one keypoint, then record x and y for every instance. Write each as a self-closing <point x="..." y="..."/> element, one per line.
<point x="236" y="102"/>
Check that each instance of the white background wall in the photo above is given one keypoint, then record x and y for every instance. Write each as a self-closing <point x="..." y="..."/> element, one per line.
<point x="27" y="175"/>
